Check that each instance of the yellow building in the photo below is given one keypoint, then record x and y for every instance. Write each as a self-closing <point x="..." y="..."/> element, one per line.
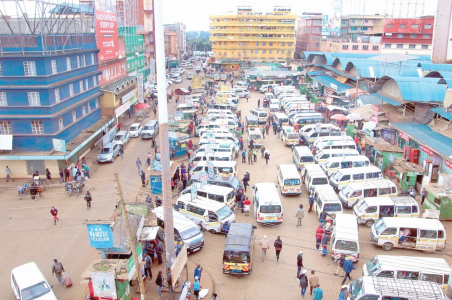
<point x="253" y="36"/>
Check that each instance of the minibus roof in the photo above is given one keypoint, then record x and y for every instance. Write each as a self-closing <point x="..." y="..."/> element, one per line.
<point x="348" y="171"/>
<point x="372" y="184"/>
<point x="203" y="203"/>
<point x="327" y="193"/>
<point x="240" y="237"/>
<point x="290" y="171"/>
<point x="420" y="223"/>
<point x="438" y="265"/>
<point x="302" y="150"/>
<point x="403" y="200"/>
<point x="269" y="190"/>
<point x="182" y="222"/>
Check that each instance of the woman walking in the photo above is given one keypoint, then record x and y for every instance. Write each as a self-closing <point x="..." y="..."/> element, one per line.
<point x="278" y="247"/>
<point x="159" y="283"/>
<point x="247" y="204"/>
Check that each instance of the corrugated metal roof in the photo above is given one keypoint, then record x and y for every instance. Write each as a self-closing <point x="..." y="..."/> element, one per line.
<point x="442" y="112"/>
<point x="423" y="134"/>
<point x="420" y="89"/>
<point x="336" y="71"/>
<point x="118" y="84"/>
<point x="410" y="73"/>
<point x="328" y="82"/>
<point x="447" y="81"/>
<point x="429" y="66"/>
<point x="435" y="74"/>
<point x="314" y="73"/>
<point x="387" y="99"/>
<point x="370" y="99"/>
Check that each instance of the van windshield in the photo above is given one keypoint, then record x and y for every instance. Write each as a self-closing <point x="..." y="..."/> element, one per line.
<point x="373" y="266"/>
<point x="362" y="206"/>
<point x="230" y="196"/>
<point x="270" y="209"/>
<point x="255" y="137"/>
<point x="306" y="159"/>
<point x="356" y="288"/>
<point x="337" y="176"/>
<point x="224" y="212"/>
<point x="292" y="136"/>
<point x="189" y="233"/>
<point x="292" y="182"/>
<point x="236" y="256"/>
<point x="320" y="181"/>
<point x="347" y="245"/>
<point x="380" y="226"/>
<point x="35" y="291"/>
<point x="147" y="127"/>
<point x="332" y="207"/>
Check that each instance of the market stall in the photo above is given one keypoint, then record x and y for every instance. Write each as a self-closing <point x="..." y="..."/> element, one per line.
<point x="382" y="153"/>
<point x="409" y="175"/>
<point x="439" y="197"/>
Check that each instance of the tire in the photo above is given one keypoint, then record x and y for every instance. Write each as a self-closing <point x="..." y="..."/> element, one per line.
<point x="387" y="246"/>
<point x="212" y="231"/>
<point x="369" y="223"/>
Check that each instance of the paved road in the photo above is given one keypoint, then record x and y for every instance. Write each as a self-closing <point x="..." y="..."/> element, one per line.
<point x="27" y="232"/>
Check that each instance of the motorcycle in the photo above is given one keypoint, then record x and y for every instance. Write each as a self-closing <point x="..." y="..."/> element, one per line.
<point x="73" y="187"/>
<point x="22" y="190"/>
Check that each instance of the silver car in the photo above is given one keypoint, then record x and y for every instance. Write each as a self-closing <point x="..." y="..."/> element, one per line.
<point x="135" y="130"/>
<point x="108" y="153"/>
<point x="150" y="130"/>
<point x="121" y="137"/>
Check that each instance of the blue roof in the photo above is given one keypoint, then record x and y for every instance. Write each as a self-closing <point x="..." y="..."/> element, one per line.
<point x="314" y="73"/>
<point x="328" y="82"/>
<point x="425" y="135"/>
<point x="370" y="99"/>
<point x="421" y="89"/>
<point x="429" y="66"/>
<point x="435" y="74"/>
<point x="447" y="81"/>
<point x="442" y="112"/>
<point x="410" y="73"/>
<point x="336" y="71"/>
<point x="387" y="99"/>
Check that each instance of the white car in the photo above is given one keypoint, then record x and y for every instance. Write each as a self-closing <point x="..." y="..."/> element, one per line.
<point x="169" y="82"/>
<point x="178" y="80"/>
<point x="135" y="130"/>
<point x="28" y="282"/>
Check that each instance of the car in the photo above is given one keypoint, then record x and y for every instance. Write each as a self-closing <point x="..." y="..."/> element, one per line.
<point x="150" y="130"/>
<point x="108" y="153"/>
<point x="135" y="130"/>
<point x="28" y="282"/>
<point x="180" y="71"/>
<point x="169" y="82"/>
<point x="121" y="137"/>
<point x="182" y="91"/>
<point x="174" y="75"/>
<point x="178" y="80"/>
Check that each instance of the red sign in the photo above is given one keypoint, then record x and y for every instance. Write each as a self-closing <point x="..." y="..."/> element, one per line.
<point x="376" y="108"/>
<point x="374" y="118"/>
<point x="448" y="164"/>
<point x="404" y="136"/>
<point x="106" y="29"/>
<point x="427" y="150"/>
<point x="112" y="72"/>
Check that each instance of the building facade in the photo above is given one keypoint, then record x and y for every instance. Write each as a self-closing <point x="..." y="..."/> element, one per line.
<point x="309" y="33"/>
<point x="171" y="45"/>
<point x="253" y="36"/>
<point x="179" y="30"/>
<point x="355" y="27"/>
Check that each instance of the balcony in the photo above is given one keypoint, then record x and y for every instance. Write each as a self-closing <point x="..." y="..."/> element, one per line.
<point x="252" y="31"/>
<point x="251" y="38"/>
<point x="244" y="23"/>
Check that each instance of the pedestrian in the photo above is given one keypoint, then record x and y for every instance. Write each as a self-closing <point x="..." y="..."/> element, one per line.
<point x="258" y="103"/>
<point x="159" y="283"/>
<point x="267" y="127"/>
<point x="303" y="279"/>
<point x="344" y="293"/>
<point x="299" y="215"/>
<point x="255" y="154"/>
<point x="247" y="97"/>
<point x="311" y="202"/>
<point x="265" y="244"/>
<point x="324" y="243"/>
<point x="54" y="213"/>
<point x="148" y="265"/>
<point x="263" y="132"/>
<point x="278" y="131"/>
<point x="196" y="286"/>
<point x="191" y="127"/>
<point x="278" y="247"/>
<point x="155" y="112"/>
<point x="246" y="179"/>
<point x="88" y="199"/>
<point x="214" y="296"/>
<point x="348" y="268"/>
<point x="61" y="176"/>
<point x="250" y="156"/>
<point x="247" y="205"/>
<point x="262" y="151"/>
<point x="318" y="236"/>
<point x="148" y="159"/>
<point x="143" y="179"/>
<point x="251" y="144"/>
<point x="244" y="156"/>
<point x="299" y="263"/>
<point x="184" y="181"/>
<point x="238" y="198"/>
<point x="138" y="164"/>
<point x="66" y="175"/>
<point x="57" y="271"/>
<point x="121" y="151"/>
<point x="313" y="281"/>
<point x="198" y="272"/>
<point x="267" y="157"/>
<point x="317" y="293"/>
<point x="340" y="265"/>
<point x="423" y="194"/>
<point x="8" y="174"/>
<point x="86" y="171"/>
<point x="159" y="251"/>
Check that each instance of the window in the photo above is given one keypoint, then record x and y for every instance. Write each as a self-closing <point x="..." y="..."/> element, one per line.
<point x="54" y="66"/>
<point x="3" y="100"/>
<point x="365" y="47"/>
<point x="414" y="26"/>
<point x="83" y="110"/>
<point x="264" y="43"/>
<point x="402" y="25"/>
<point x="97" y="103"/>
<point x="74" y="116"/>
<point x="263" y="51"/>
<point x="252" y="51"/>
<point x="277" y="51"/>
<point x="86" y="83"/>
<point x="426" y="36"/>
<point x="400" y="46"/>
<point x="388" y="34"/>
<point x="429" y="234"/>
<point x="60" y="123"/>
<point x="289" y="44"/>
<point x="239" y="53"/>
<point x="400" y="35"/>
<point x="1" y="72"/>
<point x="270" y="51"/>
<point x="240" y="43"/>
<point x="37" y="127"/>
<point x="425" y="47"/>
<point x="81" y="86"/>
<point x="33" y="99"/>
<point x="68" y="63"/>
<point x="412" y="46"/>
<point x="355" y="47"/>
<point x="387" y="46"/>
<point x="270" y="43"/>
<point x="57" y="95"/>
<point x="428" y="26"/>
<point x="344" y="47"/>
<point x="83" y="60"/>
<point x="257" y="51"/>
<point x="5" y="127"/>
<point x="375" y="47"/>
<point x="283" y="51"/>
<point x="78" y="61"/>
<point x="413" y="35"/>
<point x="257" y="43"/>
<point x="389" y="231"/>
<point x="283" y="44"/>
<point x="30" y="68"/>
<point x="71" y="89"/>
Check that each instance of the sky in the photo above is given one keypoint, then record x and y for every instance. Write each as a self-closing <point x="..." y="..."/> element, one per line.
<point x="195" y="13"/>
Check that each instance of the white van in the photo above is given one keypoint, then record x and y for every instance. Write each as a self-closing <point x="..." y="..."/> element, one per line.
<point x="330" y="138"/>
<point x="241" y="84"/>
<point x="280" y="117"/>
<point x="369" y="210"/>
<point x="344" y="177"/>
<point x="289" y="136"/>
<point x="28" y="282"/>
<point x="326" y="200"/>
<point x="203" y="156"/>
<point x="226" y="147"/>
<point x="223" y="136"/>
<point x="261" y="114"/>
<point x="218" y="140"/>
<point x="318" y="127"/>
<point x="241" y="92"/>
<point x="231" y="95"/>
<point x="274" y="108"/>
<point x="185" y="230"/>
<point x="255" y="135"/>
<point x="312" y="136"/>
<point x="344" y="239"/>
<point x="204" y="142"/>
<point x="220" y="167"/>
<point x="354" y="192"/>
<point x="333" y="164"/>
<point x="213" y="111"/>
<point x="221" y="194"/>
<point x="210" y="213"/>
<point x="302" y="156"/>
<point x="321" y="156"/>
<point x="336" y="145"/>
<point x="275" y="102"/>
<point x="409" y="267"/>
<point x="268" y="208"/>
<point x="312" y="175"/>
<point x="204" y="131"/>
<point x="288" y="179"/>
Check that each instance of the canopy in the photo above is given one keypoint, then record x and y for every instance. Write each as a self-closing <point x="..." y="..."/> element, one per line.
<point x="340" y="117"/>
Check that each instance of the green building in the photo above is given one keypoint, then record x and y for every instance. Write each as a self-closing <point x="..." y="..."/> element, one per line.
<point x="134" y="51"/>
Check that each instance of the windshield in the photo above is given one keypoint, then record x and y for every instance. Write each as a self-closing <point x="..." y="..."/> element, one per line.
<point x="189" y="233"/>
<point x="224" y="212"/>
<point x="293" y="136"/>
<point x="118" y="137"/>
<point x="362" y="205"/>
<point x="236" y="257"/>
<point x="347" y="191"/>
<point x="306" y="159"/>
<point x="380" y="226"/>
<point x="255" y="137"/>
<point x="263" y="115"/>
<point x="337" y="176"/>
<point x="284" y="120"/>
<point x="252" y="122"/>
<point x="35" y="291"/>
<point x="346" y="245"/>
<point x="319" y="181"/>
<point x="373" y="266"/>
<point x="332" y="207"/>
<point x="230" y="196"/>
<point x="147" y="127"/>
<point x="270" y="209"/>
<point x="105" y="150"/>
<point x="356" y="288"/>
<point x="292" y="182"/>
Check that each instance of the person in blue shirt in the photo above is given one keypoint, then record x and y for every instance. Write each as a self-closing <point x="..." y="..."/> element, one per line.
<point x="348" y="268"/>
<point x="196" y="288"/>
<point x="317" y="293"/>
<point x="198" y="272"/>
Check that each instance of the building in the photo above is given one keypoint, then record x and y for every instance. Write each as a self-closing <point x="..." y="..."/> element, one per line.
<point x="179" y="29"/>
<point x="368" y="44"/>
<point x="171" y="45"/>
<point x="355" y="27"/>
<point x="146" y="29"/>
<point x="309" y="33"/>
<point x="252" y="36"/>
<point x="408" y="35"/>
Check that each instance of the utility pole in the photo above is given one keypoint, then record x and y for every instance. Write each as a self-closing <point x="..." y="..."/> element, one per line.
<point x="131" y="238"/>
<point x="164" y="140"/>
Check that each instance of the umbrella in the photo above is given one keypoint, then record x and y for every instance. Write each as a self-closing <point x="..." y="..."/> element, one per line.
<point x="371" y="125"/>
<point x="142" y="106"/>
<point x="339" y="117"/>
<point x="354" y="117"/>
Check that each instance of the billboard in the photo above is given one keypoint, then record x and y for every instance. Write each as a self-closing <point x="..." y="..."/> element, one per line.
<point x="331" y="19"/>
<point x="100" y="235"/>
<point x="106" y="29"/>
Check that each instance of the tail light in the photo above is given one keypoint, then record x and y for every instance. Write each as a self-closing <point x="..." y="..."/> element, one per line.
<point x="282" y="214"/>
<point x="227" y="267"/>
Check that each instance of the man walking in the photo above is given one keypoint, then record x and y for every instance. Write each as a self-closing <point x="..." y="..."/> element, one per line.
<point x="303" y="282"/>
<point x="299" y="263"/>
<point x="299" y="215"/>
<point x="258" y="103"/>
<point x="57" y="270"/>
<point x="267" y="157"/>
<point x="159" y="251"/>
<point x="148" y="265"/>
<point x="263" y="132"/>
<point x="143" y="179"/>
<point x="246" y="179"/>
<point x="244" y="156"/>
<point x="139" y="164"/>
<point x="265" y="244"/>
<point x="8" y="174"/>
<point x="121" y="151"/>
<point x="278" y="247"/>
<point x="88" y="199"/>
<point x="54" y="213"/>
<point x="313" y="281"/>
<point x="198" y="272"/>
<point x="340" y="265"/>
<point x="318" y="236"/>
<point x="250" y="156"/>
<point x="348" y="268"/>
<point x="311" y="202"/>
<point x="317" y="293"/>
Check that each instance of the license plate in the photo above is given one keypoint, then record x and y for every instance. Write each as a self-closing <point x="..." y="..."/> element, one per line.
<point x="270" y="218"/>
<point x="196" y="249"/>
<point x="236" y="268"/>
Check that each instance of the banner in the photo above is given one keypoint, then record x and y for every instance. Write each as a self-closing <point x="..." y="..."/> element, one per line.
<point x="331" y="20"/>
<point x="104" y="284"/>
<point x="140" y="87"/>
<point x="106" y="29"/>
<point x="196" y="82"/>
<point x="59" y="145"/>
<point x="404" y="136"/>
<point x="100" y="235"/>
<point x="427" y="150"/>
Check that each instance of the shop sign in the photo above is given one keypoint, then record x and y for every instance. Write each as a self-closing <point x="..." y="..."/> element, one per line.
<point x="120" y="110"/>
<point x="210" y="168"/>
<point x="392" y="157"/>
<point x="178" y="115"/>
<point x="140" y="88"/>
<point x="329" y="100"/>
<point x="189" y="100"/>
<point x="103" y="284"/>
<point x="374" y="118"/>
<point x="448" y="164"/>
<point x="100" y="235"/>
<point x="128" y="96"/>
<point x="59" y="145"/>
<point x="431" y="214"/>
<point x="333" y="86"/>
<point x="203" y="179"/>
<point x="427" y="150"/>
<point x="106" y="29"/>
<point x="376" y="108"/>
<point x="404" y="136"/>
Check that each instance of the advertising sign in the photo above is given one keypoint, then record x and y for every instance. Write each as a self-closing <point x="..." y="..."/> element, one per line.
<point x="178" y="115"/>
<point x="404" y="136"/>
<point x="189" y="99"/>
<point x="106" y="29"/>
<point x="448" y="163"/>
<point x="112" y="72"/>
<point x="140" y="87"/>
<point x="374" y="118"/>
<point x="104" y="284"/>
<point x="59" y="145"/>
<point x="203" y="179"/>
<point x="131" y="262"/>
<point x="376" y="108"/>
<point x="331" y="20"/>
<point x="120" y="110"/>
<point x="100" y="235"/>
<point x="210" y="168"/>
<point x="431" y="214"/>
<point x="196" y="82"/>
<point x="156" y="184"/>
<point x="210" y="138"/>
<point x="427" y="150"/>
<point x="193" y="191"/>
<point x="152" y="69"/>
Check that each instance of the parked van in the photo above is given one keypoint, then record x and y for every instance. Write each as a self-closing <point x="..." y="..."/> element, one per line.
<point x="312" y="175"/>
<point x="308" y="118"/>
<point x="266" y="87"/>
<point x="344" y="177"/>
<point x="238" y="249"/>
<point x="281" y="119"/>
<point x="218" y="139"/>
<point x="255" y="135"/>
<point x="344" y="239"/>
<point x="275" y="102"/>
<point x="227" y="106"/>
<point x="288" y="179"/>
<point x="375" y="288"/>
<point x="261" y="114"/>
<point x="321" y="156"/>
<point x="220" y="167"/>
<point x="333" y="164"/>
<point x="241" y="84"/>
<point x="241" y="92"/>
<point x="205" y="141"/>
<point x="231" y="95"/>
<point x="223" y="136"/>
<point x="312" y="135"/>
<point x="185" y="230"/>
<point x="289" y="136"/>
<point x="426" y="235"/>
<point x="204" y="131"/>
<point x="221" y="194"/>
<point x="326" y="200"/>
<point x="150" y="130"/>
<point x="223" y="147"/>
<point x="318" y="127"/>
<point x="268" y="208"/>
<point x="331" y="138"/>
<point x="302" y="156"/>
<point x="219" y="180"/>
<point x="190" y="74"/>
<point x="213" y="111"/>
<point x="203" y="156"/>
<point x="336" y="145"/>
<point x="251" y="121"/>
<point x="369" y="210"/>
<point x="354" y="192"/>
<point x="274" y="108"/>
<point x="28" y="282"/>
<point x="409" y="267"/>
<point x="211" y="214"/>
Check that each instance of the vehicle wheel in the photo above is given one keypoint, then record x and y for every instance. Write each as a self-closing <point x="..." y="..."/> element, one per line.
<point x="369" y="223"/>
<point x="387" y="246"/>
<point x="212" y="231"/>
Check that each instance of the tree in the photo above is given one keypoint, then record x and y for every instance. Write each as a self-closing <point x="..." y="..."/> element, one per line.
<point x="289" y="57"/>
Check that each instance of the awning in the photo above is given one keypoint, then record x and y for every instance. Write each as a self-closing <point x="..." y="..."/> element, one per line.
<point x="341" y="79"/>
<point x="314" y="73"/>
<point x="387" y="99"/>
<point x="149" y="233"/>
<point x="442" y="112"/>
<point x="332" y="83"/>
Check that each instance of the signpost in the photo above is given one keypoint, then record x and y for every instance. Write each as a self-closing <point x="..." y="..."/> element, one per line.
<point x="100" y="235"/>
<point x="210" y="168"/>
<point x="59" y="145"/>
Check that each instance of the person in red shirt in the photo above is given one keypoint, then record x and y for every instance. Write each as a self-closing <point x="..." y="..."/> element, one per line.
<point x="318" y="236"/>
<point x="191" y="128"/>
<point x="54" y="213"/>
<point x="247" y="204"/>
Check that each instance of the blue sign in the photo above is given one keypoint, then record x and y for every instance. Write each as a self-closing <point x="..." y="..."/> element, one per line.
<point x="156" y="165"/>
<point x="194" y="191"/>
<point x="59" y="145"/>
<point x="100" y="235"/>
<point x="392" y="158"/>
<point x="210" y="168"/>
<point x="203" y="179"/>
<point x="156" y="184"/>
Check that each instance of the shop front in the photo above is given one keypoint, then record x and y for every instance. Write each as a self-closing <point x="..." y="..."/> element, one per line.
<point x="120" y="98"/>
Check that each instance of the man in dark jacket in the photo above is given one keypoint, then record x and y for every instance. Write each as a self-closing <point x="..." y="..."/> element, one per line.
<point x="278" y="248"/>
<point x="299" y="263"/>
<point x="246" y="179"/>
<point x="340" y="265"/>
<point x="348" y="268"/>
<point x="238" y="198"/>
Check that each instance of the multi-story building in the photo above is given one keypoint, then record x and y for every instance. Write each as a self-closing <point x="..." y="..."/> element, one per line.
<point x="408" y="35"/>
<point x="146" y="29"/>
<point x="252" y="36"/>
<point x="370" y="45"/>
<point x="171" y="45"/>
<point x="179" y="29"/>
<point x="354" y="27"/>
<point x="309" y="33"/>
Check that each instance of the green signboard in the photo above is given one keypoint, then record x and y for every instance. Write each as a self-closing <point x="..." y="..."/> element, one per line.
<point x="131" y="263"/>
